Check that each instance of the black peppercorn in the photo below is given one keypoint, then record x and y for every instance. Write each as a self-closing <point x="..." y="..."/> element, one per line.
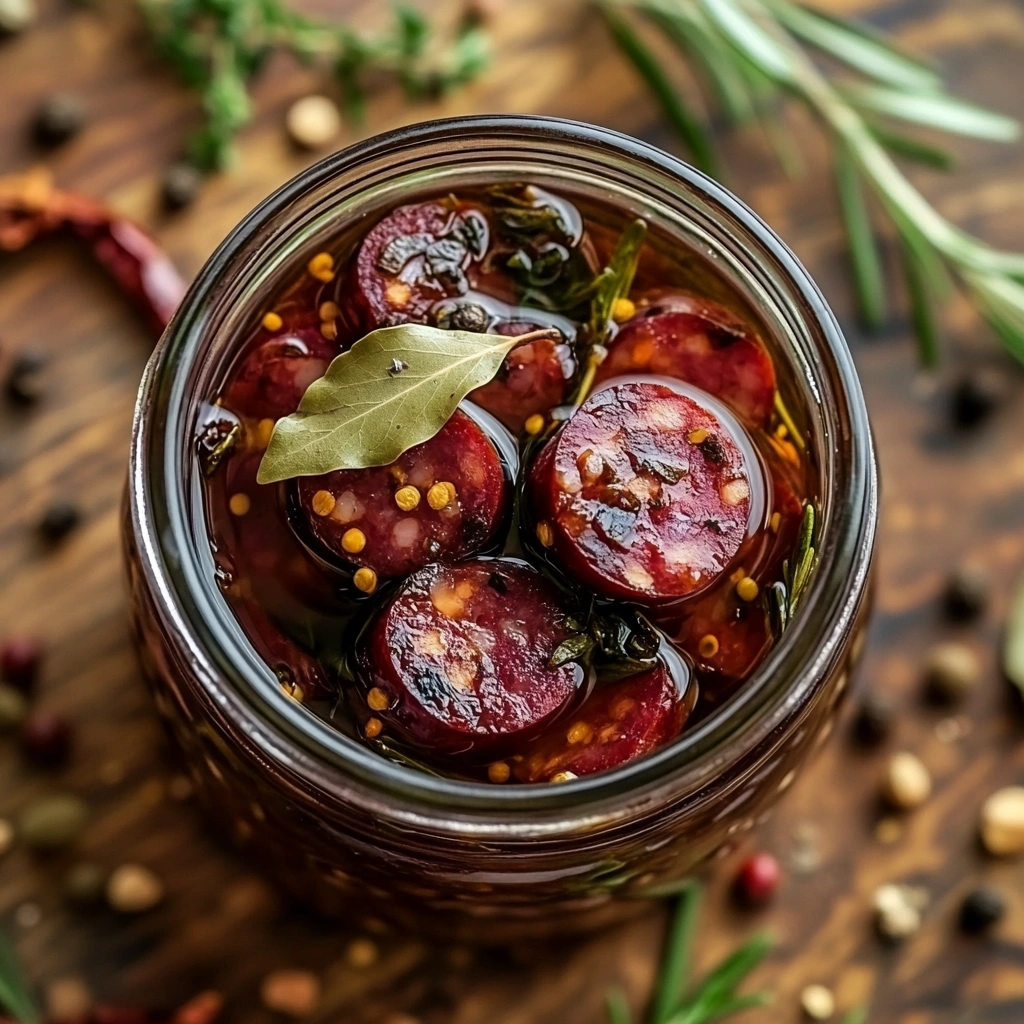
<point x="23" y="379"/>
<point x="466" y="316"/>
<point x="59" y="519"/>
<point x="181" y="186"/>
<point x="966" y="594"/>
<point x="981" y="909"/>
<point x="58" y="119"/>
<point x="873" y="721"/>
<point x="975" y="396"/>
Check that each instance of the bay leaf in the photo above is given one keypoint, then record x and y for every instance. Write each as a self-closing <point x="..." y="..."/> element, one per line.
<point x="362" y="413"/>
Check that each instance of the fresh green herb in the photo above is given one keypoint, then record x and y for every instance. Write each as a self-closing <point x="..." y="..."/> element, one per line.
<point x="610" y="285"/>
<point x="784" y="596"/>
<point x="1013" y="642"/>
<point x="362" y="413"/>
<point x="618" y="644"/>
<point x="676" y="1000"/>
<point x="753" y="55"/>
<point x="216" y="455"/>
<point x="218" y="46"/>
<point x="15" y="995"/>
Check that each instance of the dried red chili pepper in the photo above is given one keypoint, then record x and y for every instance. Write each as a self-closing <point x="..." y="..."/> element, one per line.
<point x="30" y="207"/>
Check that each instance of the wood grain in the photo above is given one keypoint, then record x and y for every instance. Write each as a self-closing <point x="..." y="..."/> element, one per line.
<point x="945" y="497"/>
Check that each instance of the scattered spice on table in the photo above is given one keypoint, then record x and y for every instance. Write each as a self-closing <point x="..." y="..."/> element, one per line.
<point x="20" y="660"/>
<point x="758" y="880"/>
<point x="908" y="783"/>
<point x="23" y="384"/>
<point x="60" y="117"/>
<point x="952" y="670"/>
<point x="134" y="889"/>
<point x="898" y="910"/>
<point x="53" y="822"/>
<point x="295" y="993"/>
<point x="966" y="594"/>
<point x="982" y="908"/>
<point x="873" y="721"/>
<point x="47" y="739"/>
<point x="817" y="1002"/>
<point x="60" y="518"/>
<point x="85" y="884"/>
<point x="1002" y="822"/>
<point x="31" y="208"/>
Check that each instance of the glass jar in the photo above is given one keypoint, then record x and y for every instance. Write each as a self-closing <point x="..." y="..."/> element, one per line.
<point x="332" y="821"/>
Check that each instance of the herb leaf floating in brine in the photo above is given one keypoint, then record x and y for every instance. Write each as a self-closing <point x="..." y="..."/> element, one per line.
<point x="392" y="390"/>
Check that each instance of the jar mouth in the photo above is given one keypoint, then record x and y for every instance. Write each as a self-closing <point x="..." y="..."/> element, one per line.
<point x="163" y="494"/>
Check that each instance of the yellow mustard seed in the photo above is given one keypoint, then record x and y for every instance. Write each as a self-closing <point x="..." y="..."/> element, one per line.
<point x="439" y="496"/>
<point x="708" y="646"/>
<point x="579" y="732"/>
<point x="747" y="589"/>
<point x="373" y="728"/>
<point x="698" y="436"/>
<point x="239" y="504"/>
<point x="293" y="690"/>
<point x="272" y="321"/>
<point x="329" y="329"/>
<point x="377" y="699"/>
<point x="407" y="497"/>
<point x="321" y="266"/>
<point x="264" y="432"/>
<point x="534" y="424"/>
<point x="353" y="541"/>
<point x="623" y="310"/>
<point x="329" y="310"/>
<point x="365" y="580"/>
<point x="775" y="522"/>
<point x="323" y="503"/>
<point x="499" y="772"/>
<point x="545" y="534"/>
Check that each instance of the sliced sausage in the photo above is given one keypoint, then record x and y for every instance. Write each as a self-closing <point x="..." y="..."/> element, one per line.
<point x="458" y="662"/>
<point x="534" y="378"/>
<point x="700" y="342"/>
<point x="645" y="493"/>
<point x="273" y="378"/>
<point x="617" y="724"/>
<point x="415" y="256"/>
<point x="444" y="498"/>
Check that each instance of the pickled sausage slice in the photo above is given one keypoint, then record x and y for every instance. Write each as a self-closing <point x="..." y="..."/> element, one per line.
<point x="617" y="724"/>
<point x="702" y="343"/>
<point x="414" y="257"/>
<point x="644" y="495"/>
<point x="458" y="662"/>
<point x="444" y="498"/>
<point x="273" y="378"/>
<point x="533" y="379"/>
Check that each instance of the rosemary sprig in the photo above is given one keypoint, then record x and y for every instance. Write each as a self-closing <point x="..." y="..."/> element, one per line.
<point x="714" y="997"/>
<point x="15" y="995"/>
<point x="217" y="47"/>
<point x="785" y="595"/>
<point x="752" y="55"/>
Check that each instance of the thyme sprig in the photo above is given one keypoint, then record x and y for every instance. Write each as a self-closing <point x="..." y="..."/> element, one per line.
<point x="218" y="46"/>
<point x="785" y="594"/>
<point x="715" y="996"/>
<point x="752" y="55"/>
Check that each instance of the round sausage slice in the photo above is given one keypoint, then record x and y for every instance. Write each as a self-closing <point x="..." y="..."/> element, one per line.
<point x="458" y="662"/>
<point x="273" y="378"/>
<point x="444" y="498"/>
<point x="617" y="724"/>
<point x="414" y="257"/>
<point x="700" y="342"/>
<point x="533" y="379"/>
<point x="644" y="495"/>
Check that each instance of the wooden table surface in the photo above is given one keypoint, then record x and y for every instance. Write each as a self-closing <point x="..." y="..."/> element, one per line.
<point x="946" y="496"/>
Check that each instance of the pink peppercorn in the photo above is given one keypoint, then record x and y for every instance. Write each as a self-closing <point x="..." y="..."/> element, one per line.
<point x="758" y="879"/>
<point x="47" y="739"/>
<point x="20" y="657"/>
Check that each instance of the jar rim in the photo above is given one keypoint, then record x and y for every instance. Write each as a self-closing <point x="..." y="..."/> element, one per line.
<point x="157" y="496"/>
